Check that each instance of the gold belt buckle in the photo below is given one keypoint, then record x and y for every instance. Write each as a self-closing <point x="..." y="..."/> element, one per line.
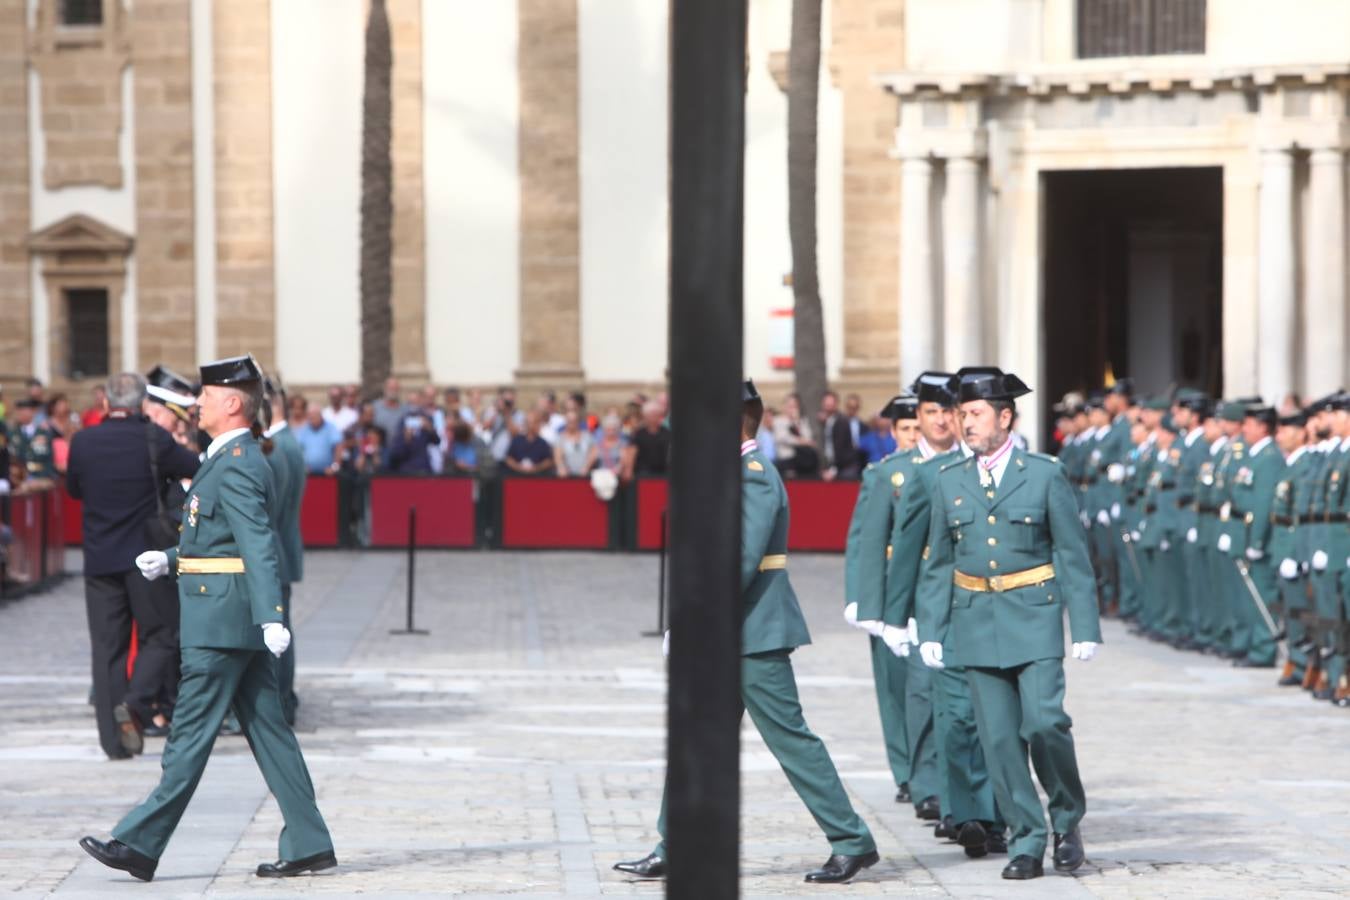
<point x="995" y="583"/>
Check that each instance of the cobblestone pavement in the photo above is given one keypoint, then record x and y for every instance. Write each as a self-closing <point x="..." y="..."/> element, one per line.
<point x="517" y="750"/>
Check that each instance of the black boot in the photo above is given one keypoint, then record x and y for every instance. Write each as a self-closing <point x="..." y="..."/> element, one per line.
<point x="1023" y="868"/>
<point x="650" y="866"/>
<point x="1069" y="853"/>
<point x="840" y="868"/>
<point x="927" y="809"/>
<point x="117" y="855"/>
<point x="974" y="838"/>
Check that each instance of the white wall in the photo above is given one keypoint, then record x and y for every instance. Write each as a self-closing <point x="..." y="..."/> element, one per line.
<point x="625" y="234"/>
<point x="112" y="206"/>
<point x="317" y="86"/>
<point x="768" y="255"/>
<point x="204" y="179"/>
<point x="471" y="112"/>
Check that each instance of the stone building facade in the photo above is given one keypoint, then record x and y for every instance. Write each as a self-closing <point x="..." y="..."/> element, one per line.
<point x="1074" y="189"/>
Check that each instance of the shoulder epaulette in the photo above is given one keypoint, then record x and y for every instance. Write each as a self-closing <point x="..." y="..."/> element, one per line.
<point x="954" y="463"/>
<point x="1044" y="457"/>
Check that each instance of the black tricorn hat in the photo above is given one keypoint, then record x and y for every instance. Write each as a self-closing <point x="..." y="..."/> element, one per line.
<point x="1341" y="402"/>
<point x="1123" y="386"/>
<point x="901" y="406"/>
<point x="1261" y="413"/>
<point x="934" y="387"/>
<point x="1196" y="402"/>
<point x="748" y="392"/>
<point x="235" y="370"/>
<point x="987" y="383"/>
<point x="1325" y="403"/>
<point x="162" y="376"/>
<point x="1298" y="419"/>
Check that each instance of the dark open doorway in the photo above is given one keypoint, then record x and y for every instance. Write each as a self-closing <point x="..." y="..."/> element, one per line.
<point x="1133" y="279"/>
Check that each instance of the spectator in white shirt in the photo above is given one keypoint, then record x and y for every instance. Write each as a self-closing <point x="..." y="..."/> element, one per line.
<point x="337" y="413"/>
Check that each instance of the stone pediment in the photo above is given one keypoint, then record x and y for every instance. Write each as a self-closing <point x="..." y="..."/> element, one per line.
<point x="79" y="232"/>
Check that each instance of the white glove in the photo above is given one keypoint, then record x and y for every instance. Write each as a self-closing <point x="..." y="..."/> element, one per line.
<point x="1288" y="569"/>
<point x="1136" y="536"/>
<point x="931" y="654"/>
<point x="1319" y="560"/>
<point x="276" y="637"/>
<point x="153" y="564"/>
<point x="872" y="626"/>
<point x="1164" y="545"/>
<point x="665" y="644"/>
<point x="851" y="613"/>
<point x="1192" y="536"/>
<point x="1115" y="473"/>
<point x="1103" y="517"/>
<point x="913" y="632"/>
<point x="1225" y="543"/>
<point x="1115" y="510"/>
<point x="897" y="639"/>
<point x="1084" y="650"/>
<point x="4" y="486"/>
<point x="1254" y="554"/>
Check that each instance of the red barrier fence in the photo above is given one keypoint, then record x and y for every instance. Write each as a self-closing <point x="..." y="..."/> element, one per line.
<point x="319" y="512"/>
<point x="36" y="553"/>
<point x="561" y="513"/>
<point x="820" y="514"/>
<point x="445" y="511"/>
<point x="653" y="497"/>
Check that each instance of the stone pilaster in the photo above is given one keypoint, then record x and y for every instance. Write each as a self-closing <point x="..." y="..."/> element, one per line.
<point x="1276" y="311"/>
<point x="161" y="43"/>
<point x="867" y="36"/>
<point x="962" y="310"/>
<point x="918" y="297"/>
<point x="16" y="334"/>
<point x="550" y="195"/>
<point x="409" y="295"/>
<point x="1324" y="342"/>
<point x="245" y="277"/>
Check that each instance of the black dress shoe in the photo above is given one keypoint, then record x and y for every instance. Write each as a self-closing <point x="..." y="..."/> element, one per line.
<point x="902" y="795"/>
<point x="290" y="868"/>
<point x="840" y="868"/>
<point x="1246" y="663"/>
<point x="1290" y="681"/>
<point x="928" y="809"/>
<point x="650" y="866"/>
<point x="1023" y="868"/>
<point x="156" y="731"/>
<point x="129" y="729"/>
<point x="946" y="829"/>
<point x="117" y="855"/>
<point x="998" y="842"/>
<point x="1068" y="851"/>
<point x="974" y="838"/>
<point x="1326" y="694"/>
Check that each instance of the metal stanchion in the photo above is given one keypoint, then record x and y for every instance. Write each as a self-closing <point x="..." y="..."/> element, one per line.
<point x="412" y="571"/>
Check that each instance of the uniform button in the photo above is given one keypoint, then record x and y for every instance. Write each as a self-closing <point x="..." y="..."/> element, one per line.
<point x="993" y="542"/>
<point x="279" y="609"/>
<point x="993" y="564"/>
<point x="1028" y="520"/>
<point x="956" y="502"/>
<point x="992" y="520"/>
<point x="989" y="494"/>
<point x="202" y="589"/>
<point x="180" y="529"/>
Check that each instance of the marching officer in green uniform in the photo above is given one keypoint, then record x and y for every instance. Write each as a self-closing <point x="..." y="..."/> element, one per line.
<point x="910" y="752"/>
<point x="1253" y="493"/>
<point x="1006" y="556"/>
<point x="1288" y="540"/>
<point x="969" y="813"/>
<point x="289" y="462"/>
<point x="772" y="629"/>
<point x="232" y="627"/>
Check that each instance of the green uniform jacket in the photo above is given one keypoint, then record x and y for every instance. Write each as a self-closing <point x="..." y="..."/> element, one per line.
<point x="895" y="499"/>
<point x="1193" y="457"/>
<point x="1336" y="534"/>
<point x="909" y="536"/>
<point x="1254" y="492"/>
<point x="773" y="619"/>
<point x="1161" y="519"/>
<point x="286" y="453"/>
<point x="1030" y="520"/>
<point x="852" y="545"/>
<point x="1291" y="499"/>
<point x="226" y="515"/>
<point x="1231" y="457"/>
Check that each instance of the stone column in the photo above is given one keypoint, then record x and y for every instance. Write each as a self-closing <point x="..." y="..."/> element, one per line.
<point x="963" y="315"/>
<point x="409" y="295"/>
<point x="550" y="196"/>
<point x="16" y="333"/>
<point x="918" y="318"/>
<point x="1275" y="368"/>
<point x="1325" y="319"/>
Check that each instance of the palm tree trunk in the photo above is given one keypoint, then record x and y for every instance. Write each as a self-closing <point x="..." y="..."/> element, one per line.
<point x="377" y="208"/>
<point x="803" y="86"/>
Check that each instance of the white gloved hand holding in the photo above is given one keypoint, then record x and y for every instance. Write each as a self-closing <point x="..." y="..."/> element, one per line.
<point x="665" y="644"/>
<point x="1192" y="536"/>
<point x="1288" y="569"/>
<point x="1115" y="510"/>
<point x="931" y="654"/>
<point x="1115" y="473"/>
<point x="872" y="626"/>
<point x="153" y="564"/>
<point x="1084" y="650"/>
<point x="1255" y="553"/>
<point x="1319" y="560"/>
<point x="1103" y="517"/>
<point x="913" y="626"/>
<point x="1164" y="545"/>
<point x="276" y="637"/>
<point x="1225" y="543"/>
<point x="895" y="639"/>
<point x="851" y="613"/>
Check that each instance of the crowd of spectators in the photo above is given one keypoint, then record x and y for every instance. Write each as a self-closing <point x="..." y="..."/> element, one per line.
<point x="35" y="432"/>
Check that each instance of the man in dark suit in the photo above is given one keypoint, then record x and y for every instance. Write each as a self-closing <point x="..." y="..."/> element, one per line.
<point x="109" y="470"/>
<point x="838" y="441"/>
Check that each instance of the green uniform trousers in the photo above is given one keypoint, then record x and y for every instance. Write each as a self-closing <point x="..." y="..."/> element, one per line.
<point x="212" y="681"/>
<point x="1327" y="604"/>
<point x="967" y="792"/>
<point x="1197" y="574"/>
<point x="286" y="665"/>
<point x="1260" y="646"/>
<point x="1020" y="711"/>
<point x="1169" y="568"/>
<point x="769" y="693"/>
<point x="891" y="675"/>
<point x="925" y="774"/>
<point x="1236" y="603"/>
<point x="1129" y="588"/>
<point x="1294" y="596"/>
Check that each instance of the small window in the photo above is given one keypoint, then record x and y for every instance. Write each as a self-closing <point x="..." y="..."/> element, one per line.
<point x="87" y="313"/>
<point x="81" y="12"/>
<point x="1140" y="27"/>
